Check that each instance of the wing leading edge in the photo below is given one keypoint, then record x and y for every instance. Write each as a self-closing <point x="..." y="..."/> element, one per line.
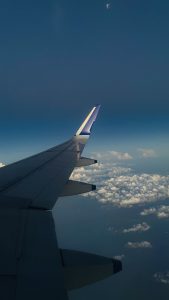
<point x="40" y="179"/>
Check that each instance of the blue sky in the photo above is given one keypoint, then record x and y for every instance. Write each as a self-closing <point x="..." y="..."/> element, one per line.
<point x="58" y="58"/>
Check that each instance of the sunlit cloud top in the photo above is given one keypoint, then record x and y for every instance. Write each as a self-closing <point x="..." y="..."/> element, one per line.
<point x="135" y="245"/>
<point x="122" y="186"/>
<point x="137" y="228"/>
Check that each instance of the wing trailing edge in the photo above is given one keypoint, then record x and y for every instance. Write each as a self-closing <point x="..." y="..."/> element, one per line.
<point x="76" y="187"/>
<point x="84" y="162"/>
<point x="82" y="268"/>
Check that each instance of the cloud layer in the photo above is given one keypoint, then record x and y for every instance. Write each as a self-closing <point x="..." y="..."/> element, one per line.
<point x="137" y="228"/>
<point x="135" y="245"/>
<point x="120" y="186"/>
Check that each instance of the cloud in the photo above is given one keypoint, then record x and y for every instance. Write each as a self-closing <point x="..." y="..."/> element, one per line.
<point x="162" y="277"/>
<point x="120" y="186"/>
<point x="146" y="153"/>
<point x="112" y="155"/>
<point x="108" y="5"/>
<point x="137" y="228"/>
<point x="160" y="212"/>
<point x="124" y="156"/>
<point x="112" y="229"/>
<point x="135" y="245"/>
<point x="120" y="257"/>
<point x="98" y="155"/>
<point x="120" y="155"/>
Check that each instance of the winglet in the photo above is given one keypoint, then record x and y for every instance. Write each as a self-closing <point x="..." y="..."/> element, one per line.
<point x="85" y="128"/>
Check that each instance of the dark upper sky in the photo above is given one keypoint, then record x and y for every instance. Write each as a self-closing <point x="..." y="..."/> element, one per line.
<point x="58" y="58"/>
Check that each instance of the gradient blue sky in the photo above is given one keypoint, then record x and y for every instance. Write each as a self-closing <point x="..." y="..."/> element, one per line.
<point x="58" y="58"/>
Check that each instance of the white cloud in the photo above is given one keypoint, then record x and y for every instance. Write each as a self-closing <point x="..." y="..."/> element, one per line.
<point x="120" y="186"/>
<point x="137" y="228"/>
<point x="143" y="244"/>
<point x="108" y="5"/>
<point x="160" y="212"/>
<point x="124" y="156"/>
<point x="112" y="155"/>
<point x="146" y="153"/>
<point x="97" y="155"/>
<point x="112" y="229"/>
<point x="148" y="211"/>
<point x="119" y="257"/>
<point x="162" y="277"/>
<point x="1" y="165"/>
<point x="120" y="155"/>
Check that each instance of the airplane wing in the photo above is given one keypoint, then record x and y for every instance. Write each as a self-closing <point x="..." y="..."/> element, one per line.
<point x="31" y="264"/>
<point x="39" y="180"/>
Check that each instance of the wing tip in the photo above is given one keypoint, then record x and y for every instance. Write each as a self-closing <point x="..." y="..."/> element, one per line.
<point x="85" y="128"/>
